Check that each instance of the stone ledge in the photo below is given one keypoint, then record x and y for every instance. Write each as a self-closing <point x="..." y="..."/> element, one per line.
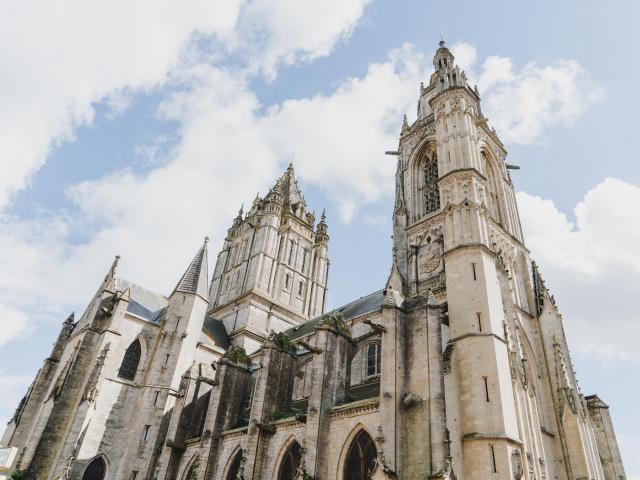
<point x="358" y="407"/>
<point x="495" y="437"/>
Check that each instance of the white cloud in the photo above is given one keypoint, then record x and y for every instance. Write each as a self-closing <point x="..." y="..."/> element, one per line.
<point x="283" y="32"/>
<point x="522" y="103"/>
<point x="14" y="324"/>
<point x="58" y="60"/>
<point x="592" y="266"/>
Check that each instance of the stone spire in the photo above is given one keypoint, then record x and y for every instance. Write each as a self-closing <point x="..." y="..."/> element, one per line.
<point x="195" y="278"/>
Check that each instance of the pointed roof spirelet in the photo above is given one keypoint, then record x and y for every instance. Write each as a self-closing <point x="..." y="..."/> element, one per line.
<point x="321" y="229"/>
<point x="71" y="318"/>
<point x="195" y="278"/>
<point x="405" y="123"/>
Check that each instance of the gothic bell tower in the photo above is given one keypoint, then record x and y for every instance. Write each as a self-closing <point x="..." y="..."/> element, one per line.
<point x="455" y="226"/>
<point x="273" y="268"/>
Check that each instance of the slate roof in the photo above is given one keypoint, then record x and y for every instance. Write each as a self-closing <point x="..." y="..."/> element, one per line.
<point x="214" y="329"/>
<point x="144" y="303"/>
<point x="195" y="278"/>
<point x="367" y="304"/>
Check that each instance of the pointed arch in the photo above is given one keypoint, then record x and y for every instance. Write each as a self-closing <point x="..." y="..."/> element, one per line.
<point x="191" y="470"/>
<point x="232" y="469"/>
<point x="423" y="181"/>
<point x="494" y="197"/>
<point x="359" y="455"/>
<point x="288" y="460"/>
<point x="131" y="360"/>
<point x="96" y="469"/>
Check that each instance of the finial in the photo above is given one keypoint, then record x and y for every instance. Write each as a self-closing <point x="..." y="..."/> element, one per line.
<point x="405" y="123"/>
<point x="206" y="240"/>
<point x="241" y="211"/>
<point x="441" y="43"/>
<point x="323" y="217"/>
<point x="70" y="319"/>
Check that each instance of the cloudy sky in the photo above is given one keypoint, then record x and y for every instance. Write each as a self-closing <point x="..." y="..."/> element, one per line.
<point x="137" y="128"/>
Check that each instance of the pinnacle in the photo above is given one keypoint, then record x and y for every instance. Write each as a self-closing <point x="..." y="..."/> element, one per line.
<point x="194" y="279"/>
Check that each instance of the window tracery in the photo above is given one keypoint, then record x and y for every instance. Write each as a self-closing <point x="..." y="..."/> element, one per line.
<point x="290" y="462"/>
<point x="431" y="195"/>
<point x="362" y="458"/>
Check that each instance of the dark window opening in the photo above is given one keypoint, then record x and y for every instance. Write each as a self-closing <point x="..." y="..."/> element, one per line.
<point x="361" y="460"/>
<point x="129" y="365"/>
<point x="96" y="470"/>
<point x="473" y="268"/>
<point x="493" y="460"/>
<point x="479" y="321"/>
<point x="145" y="433"/>
<point x="290" y="462"/>
<point x="234" y="469"/>
<point x="431" y="195"/>
<point x="486" y="388"/>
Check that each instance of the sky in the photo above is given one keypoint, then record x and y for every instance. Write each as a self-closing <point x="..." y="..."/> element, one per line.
<point x="139" y="128"/>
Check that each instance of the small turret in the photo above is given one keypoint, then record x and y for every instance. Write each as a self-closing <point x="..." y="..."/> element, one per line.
<point x="448" y="74"/>
<point x="238" y="220"/>
<point x="322" y="235"/>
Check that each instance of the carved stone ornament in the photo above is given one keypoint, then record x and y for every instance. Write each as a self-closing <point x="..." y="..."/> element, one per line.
<point x="446" y="473"/>
<point x="409" y="400"/>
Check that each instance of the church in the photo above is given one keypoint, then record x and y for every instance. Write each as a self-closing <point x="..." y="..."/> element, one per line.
<point x="457" y="368"/>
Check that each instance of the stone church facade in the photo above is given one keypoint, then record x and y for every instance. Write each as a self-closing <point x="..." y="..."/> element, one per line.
<point x="457" y="369"/>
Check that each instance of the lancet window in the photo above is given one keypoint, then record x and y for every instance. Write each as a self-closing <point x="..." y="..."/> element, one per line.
<point x="362" y="458"/>
<point x="290" y="462"/>
<point x="234" y="469"/>
<point x="129" y="365"/>
<point x="431" y="196"/>
<point x="373" y="360"/>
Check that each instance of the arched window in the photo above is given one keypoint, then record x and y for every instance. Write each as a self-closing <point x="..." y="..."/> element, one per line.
<point x="431" y="196"/>
<point x="362" y="458"/>
<point x="96" y="470"/>
<point x="290" y="462"/>
<point x="130" y="362"/>
<point x="234" y="469"/>
<point x="373" y="360"/>
<point x="493" y="203"/>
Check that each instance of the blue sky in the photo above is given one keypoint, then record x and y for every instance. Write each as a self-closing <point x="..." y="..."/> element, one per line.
<point x="139" y="130"/>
